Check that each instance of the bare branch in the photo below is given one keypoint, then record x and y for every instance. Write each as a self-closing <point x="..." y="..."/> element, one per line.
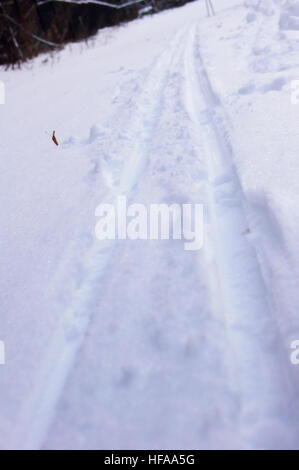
<point x="49" y="43"/>
<point x="86" y="2"/>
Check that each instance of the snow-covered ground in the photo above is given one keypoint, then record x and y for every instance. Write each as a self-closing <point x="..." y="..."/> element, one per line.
<point x="142" y="344"/>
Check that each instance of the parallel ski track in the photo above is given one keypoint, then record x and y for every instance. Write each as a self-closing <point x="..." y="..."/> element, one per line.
<point x="236" y="283"/>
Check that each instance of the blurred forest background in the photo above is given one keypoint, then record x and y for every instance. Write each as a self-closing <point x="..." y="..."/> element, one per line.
<point x="29" y="27"/>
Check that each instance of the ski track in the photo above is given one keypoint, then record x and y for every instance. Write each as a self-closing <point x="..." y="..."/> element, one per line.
<point x="40" y="410"/>
<point x="252" y="331"/>
<point x="235" y="280"/>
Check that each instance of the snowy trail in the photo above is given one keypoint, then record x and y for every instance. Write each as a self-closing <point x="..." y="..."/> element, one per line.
<point x="162" y="310"/>
<point x="75" y="320"/>
<point x="159" y="348"/>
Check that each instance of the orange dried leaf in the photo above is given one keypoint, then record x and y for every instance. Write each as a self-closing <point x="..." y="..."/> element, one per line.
<point x="54" y="138"/>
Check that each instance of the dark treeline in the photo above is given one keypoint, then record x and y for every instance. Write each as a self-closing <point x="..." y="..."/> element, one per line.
<point x="29" y="27"/>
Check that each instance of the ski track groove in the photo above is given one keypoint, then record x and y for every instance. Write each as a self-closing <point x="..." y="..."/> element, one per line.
<point x="38" y="413"/>
<point x="250" y="325"/>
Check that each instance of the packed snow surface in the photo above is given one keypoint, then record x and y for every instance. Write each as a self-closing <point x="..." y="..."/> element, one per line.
<point x="140" y="343"/>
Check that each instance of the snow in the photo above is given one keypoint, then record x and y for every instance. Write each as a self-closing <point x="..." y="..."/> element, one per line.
<point x="140" y="343"/>
<point x="289" y="16"/>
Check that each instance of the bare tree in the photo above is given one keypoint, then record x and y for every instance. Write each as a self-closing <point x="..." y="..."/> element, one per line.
<point x="29" y="27"/>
